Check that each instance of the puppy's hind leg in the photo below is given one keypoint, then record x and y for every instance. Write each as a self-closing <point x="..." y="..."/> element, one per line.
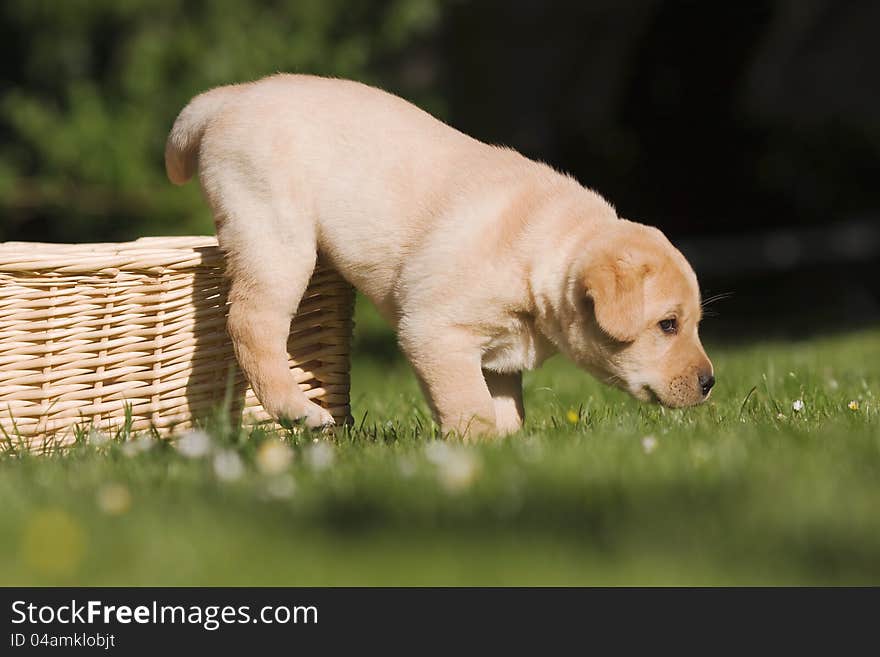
<point x="269" y="276"/>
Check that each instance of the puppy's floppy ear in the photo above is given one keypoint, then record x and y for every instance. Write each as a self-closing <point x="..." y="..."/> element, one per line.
<point x="616" y="284"/>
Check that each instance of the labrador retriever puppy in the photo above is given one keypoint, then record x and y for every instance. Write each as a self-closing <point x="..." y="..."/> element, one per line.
<point x="485" y="262"/>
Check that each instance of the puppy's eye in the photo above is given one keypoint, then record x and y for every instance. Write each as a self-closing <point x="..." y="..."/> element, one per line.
<point x="669" y="326"/>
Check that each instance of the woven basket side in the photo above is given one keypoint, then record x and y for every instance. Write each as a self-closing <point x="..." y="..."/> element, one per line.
<point x="100" y="335"/>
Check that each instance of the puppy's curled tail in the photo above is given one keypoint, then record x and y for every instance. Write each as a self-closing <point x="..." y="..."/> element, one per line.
<point x="182" y="146"/>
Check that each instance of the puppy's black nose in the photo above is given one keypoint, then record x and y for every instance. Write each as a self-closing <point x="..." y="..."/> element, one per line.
<point x="706" y="383"/>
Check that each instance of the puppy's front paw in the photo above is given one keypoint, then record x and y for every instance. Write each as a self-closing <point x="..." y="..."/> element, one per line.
<point x="316" y="417"/>
<point x="309" y="414"/>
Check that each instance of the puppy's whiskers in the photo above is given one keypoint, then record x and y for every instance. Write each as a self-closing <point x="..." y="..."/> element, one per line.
<point x="705" y="303"/>
<point x="716" y="297"/>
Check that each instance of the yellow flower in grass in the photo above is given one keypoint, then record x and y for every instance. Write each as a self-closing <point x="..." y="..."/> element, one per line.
<point x="572" y="416"/>
<point x="853" y="405"/>
<point x="273" y="457"/>
<point x="52" y="543"/>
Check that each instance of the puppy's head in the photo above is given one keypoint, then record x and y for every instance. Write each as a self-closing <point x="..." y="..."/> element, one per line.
<point x="637" y="314"/>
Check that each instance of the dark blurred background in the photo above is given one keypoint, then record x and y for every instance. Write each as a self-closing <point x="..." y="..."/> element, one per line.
<point x="749" y="132"/>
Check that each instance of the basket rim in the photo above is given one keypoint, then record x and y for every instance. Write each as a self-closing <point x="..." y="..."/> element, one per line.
<point x="145" y="253"/>
<point x="149" y="243"/>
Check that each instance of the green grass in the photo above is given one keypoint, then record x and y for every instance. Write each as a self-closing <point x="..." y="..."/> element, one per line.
<point x="743" y="490"/>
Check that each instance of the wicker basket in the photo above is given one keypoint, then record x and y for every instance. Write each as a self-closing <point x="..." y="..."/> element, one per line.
<point x="91" y="333"/>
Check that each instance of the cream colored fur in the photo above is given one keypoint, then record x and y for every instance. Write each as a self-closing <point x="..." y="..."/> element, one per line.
<point x="485" y="262"/>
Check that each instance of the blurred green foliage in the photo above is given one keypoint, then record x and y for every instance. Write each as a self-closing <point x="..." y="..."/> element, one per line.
<point x="91" y="88"/>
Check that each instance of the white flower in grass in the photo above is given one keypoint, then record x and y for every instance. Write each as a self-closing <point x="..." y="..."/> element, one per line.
<point x="98" y="438"/>
<point x="437" y="451"/>
<point x="531" y="450"/>
<point x="228" y="465"/>
<point x="701" y="453"/>
<point x="194" y="444"/>
<point x="457" y="467"/>
<point x="853" y="405"/>
<point x="274" y="457"/>
<point x="407" y="467"/>
<point x="797" y="405"/>
<point x="113" y="499"/>
<point x="137" y="446"/>
<point x="281" y="487"/>
<point x="649" y="444"/>
<point x="460" y="471"/>
<point x="320" y="456"/>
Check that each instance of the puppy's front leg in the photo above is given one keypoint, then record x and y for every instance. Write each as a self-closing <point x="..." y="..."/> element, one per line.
<point x="450" y="372"/>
